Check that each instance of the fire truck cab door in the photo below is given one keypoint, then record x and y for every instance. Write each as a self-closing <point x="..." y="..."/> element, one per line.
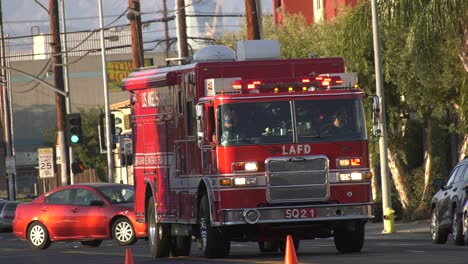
<point x="205" y="132"/>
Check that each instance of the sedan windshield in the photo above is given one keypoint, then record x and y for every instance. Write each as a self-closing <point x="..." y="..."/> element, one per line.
<point x="118" y="194"/>
<point x="291" y="122"/>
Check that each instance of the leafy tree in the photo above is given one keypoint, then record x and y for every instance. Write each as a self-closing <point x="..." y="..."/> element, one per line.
<point x="422" y="43"/>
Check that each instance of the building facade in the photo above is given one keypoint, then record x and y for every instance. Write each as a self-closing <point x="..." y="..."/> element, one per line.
<point x="314" y="11"/>
<point x="33" y="104"/>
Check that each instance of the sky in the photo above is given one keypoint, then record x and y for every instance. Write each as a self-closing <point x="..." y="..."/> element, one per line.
<point x="21" y="18"/>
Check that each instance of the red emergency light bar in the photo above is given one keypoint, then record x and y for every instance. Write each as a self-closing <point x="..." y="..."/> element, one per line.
<point x="288" y="84"/>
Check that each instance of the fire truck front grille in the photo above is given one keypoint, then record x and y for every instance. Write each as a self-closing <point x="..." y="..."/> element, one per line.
<point x="297" y="179"/>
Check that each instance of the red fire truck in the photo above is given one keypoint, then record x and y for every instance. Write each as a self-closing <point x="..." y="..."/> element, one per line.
<point x="249" y="147"/>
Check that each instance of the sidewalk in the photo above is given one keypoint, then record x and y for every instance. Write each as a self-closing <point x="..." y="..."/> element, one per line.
<point x="403" y="230"/>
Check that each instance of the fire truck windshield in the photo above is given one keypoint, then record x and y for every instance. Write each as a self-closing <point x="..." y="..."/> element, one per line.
<point x="290" y="122"/>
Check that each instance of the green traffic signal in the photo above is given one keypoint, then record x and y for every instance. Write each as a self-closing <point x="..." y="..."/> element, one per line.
<point x="74" y="139"/>
<point x="73" y="126"/>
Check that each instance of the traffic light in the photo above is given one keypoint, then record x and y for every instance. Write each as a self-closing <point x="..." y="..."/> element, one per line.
<point x="118" y="125"/>
<point x="77" y="167"/>
<point x="112" y="124"/>
<point x="73" y="126"/>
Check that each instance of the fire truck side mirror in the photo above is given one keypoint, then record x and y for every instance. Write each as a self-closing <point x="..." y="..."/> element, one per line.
<point x="376" y="123"/>
<point x="200" y="133"/>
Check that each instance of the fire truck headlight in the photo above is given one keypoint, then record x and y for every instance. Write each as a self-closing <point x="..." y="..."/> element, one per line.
<point x="245" y="181"/>
<point x="368" y="175"/>
<point x="353" y="176"/>
<point x="225" y="182"/>
<point x="356" y="176"/>
<point x="244" y="166"/>
<point x="345" y="177"/>
<point x="349" y="162"/>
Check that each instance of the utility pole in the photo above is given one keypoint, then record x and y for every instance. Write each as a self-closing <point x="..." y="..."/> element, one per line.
<point x="59" y="84"/>
<point x="66" y="84"/>
<point x="181" y="32"/>
<point x="110" y="158"/>
<point x="135" y="26"/>
<point x="253" y="20"/>
<point x="385" y="175"/>
<point x="7" y="122"/>
<point x="166" y="29"/>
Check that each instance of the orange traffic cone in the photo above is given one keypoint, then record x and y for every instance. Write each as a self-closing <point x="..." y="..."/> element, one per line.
<point x="128" y="256"/>
<point x="290" y="253"/>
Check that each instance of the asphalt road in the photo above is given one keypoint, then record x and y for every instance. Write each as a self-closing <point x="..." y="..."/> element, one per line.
<point x="409" y="244"/>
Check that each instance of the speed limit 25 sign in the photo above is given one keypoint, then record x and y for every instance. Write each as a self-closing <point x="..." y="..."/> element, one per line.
<point x="46" y="162"/>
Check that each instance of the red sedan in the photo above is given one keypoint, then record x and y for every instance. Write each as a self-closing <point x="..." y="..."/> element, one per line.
<point x="88" y="213"/>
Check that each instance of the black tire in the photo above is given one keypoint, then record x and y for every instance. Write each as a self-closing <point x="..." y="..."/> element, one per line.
<point x="91" y="243"/>
<point x="465" y="228"/>
<point x="38" y="236"/>
<point x="181" y="246"/>
<point x="349" y="237"/>
<point x="213" y="242"/>
<point x="268" y="246"/>
<point x="123" y="232"/>
<point x="457" y="228"/>
<point x="158" y="234"/>
<point x="438" y="235"/>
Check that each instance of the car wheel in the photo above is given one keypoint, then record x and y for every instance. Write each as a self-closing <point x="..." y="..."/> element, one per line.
<point x="349" y="237"/>
<point x="213" y="242"/>
<point x="38" y="236"/>
<point x="181" y="246"/>
<point x="158" y="234"/>
<point x="122" y="231"/>
<point x="438" y="235"/>
<point x="465" y="228"/>
<point x="91" y="243"/>
<point x="457" y="229"/>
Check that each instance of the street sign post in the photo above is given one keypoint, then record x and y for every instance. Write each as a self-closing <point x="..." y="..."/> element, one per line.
<point x="126" y="149"/>
<point x="10" y="163"/>
<point x="46" y="162"/>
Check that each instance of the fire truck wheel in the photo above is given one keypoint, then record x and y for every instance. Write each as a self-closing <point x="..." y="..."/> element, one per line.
<point x="349" y="237"/>
<point x="268" y="246"/>
<point x="213" y="242"/>
<point x="158" y="234"/>
<point x="181" y="246"/>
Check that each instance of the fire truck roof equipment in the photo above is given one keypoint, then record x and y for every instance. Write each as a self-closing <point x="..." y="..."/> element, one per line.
<point x="214" y="53"/>
<point x="258" y="50"/>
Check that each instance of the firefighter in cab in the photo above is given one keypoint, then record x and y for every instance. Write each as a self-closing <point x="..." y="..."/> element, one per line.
<point x="337" y="126"/>
<point x="230" y="129"/>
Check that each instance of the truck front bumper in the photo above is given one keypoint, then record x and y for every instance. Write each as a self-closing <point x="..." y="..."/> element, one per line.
<point x="314" y="213"/>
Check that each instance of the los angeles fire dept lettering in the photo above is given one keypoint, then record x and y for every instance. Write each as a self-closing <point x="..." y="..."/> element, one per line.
<point x="295" y="149"/>
<point x="150" y="98"/>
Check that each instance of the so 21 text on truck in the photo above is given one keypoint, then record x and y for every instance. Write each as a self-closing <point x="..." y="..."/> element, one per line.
<point x="249" y="147"/>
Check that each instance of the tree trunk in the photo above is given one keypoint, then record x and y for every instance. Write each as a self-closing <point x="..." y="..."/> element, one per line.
<point x="423" y="212"/>
<point x="402" y="185"/>
<point x="464" y="49"/>
<point x="464" y="148"/>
